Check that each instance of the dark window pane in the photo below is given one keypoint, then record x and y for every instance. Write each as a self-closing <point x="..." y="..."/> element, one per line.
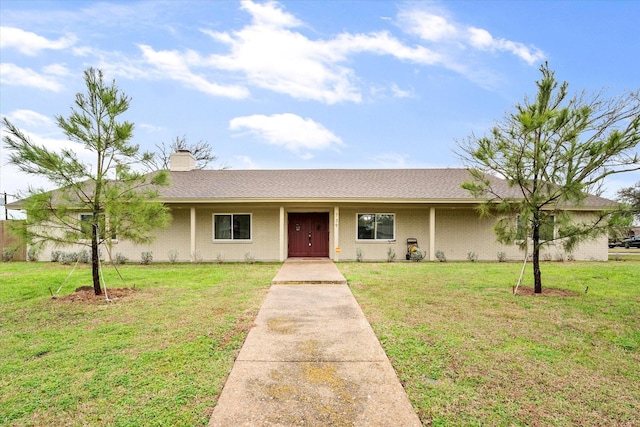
<point x="384" y="227"/>
<point x="222" y="227"/>
<point x="366" y="226"/>
<point x="242" y="227"/>
<point x="547" y="228"/>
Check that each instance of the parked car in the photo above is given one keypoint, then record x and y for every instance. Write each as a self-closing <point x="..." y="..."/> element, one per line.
<point x="615" y="244"/>
<point x="633" y="242"/>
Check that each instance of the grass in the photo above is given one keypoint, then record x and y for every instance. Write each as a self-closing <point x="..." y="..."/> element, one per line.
<point x="470" y="353"/>
<point x="466" y="350"/>
<point x="158" y="356"/>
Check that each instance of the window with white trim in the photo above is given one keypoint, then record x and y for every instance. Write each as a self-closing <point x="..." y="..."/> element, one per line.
<point x="232" y="227"/>
<point x="548" y="227"/>
<point x="86" y="222"/>
<point x="376" y="226"/>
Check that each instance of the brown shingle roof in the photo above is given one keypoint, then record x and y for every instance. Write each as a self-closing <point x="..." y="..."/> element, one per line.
<point x="443" y="185"/>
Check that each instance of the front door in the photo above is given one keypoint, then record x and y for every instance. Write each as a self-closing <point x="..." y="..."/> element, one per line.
<point x="308" y="235"/>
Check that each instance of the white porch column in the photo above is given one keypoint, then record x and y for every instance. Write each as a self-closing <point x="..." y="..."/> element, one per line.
<point x="336" y="233"/>
<point x="432" y="234"/>
<point x="193" y="234"/>
<point x="282" y="234"/>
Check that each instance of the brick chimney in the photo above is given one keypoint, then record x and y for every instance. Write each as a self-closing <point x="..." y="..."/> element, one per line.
<point x="182" y="161"/>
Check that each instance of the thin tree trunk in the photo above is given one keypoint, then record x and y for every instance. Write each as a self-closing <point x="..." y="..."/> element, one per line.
<point x="95" y="262"/>
<point x="537" y="274"/>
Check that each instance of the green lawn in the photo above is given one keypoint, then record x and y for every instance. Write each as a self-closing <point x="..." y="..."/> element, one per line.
<point x="157" y="357"/>
<point x="470" y="353"/>
<point x="466" y="350"/>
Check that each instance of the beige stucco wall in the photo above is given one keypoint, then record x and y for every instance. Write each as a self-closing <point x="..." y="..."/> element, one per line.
<point x="458" y="231"/>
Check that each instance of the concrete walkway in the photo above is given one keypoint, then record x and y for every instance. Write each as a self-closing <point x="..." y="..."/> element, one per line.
<point x="312" y="359"/>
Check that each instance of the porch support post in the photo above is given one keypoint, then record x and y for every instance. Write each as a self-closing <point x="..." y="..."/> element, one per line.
<point x="336" y="233"/>
<point x="282" y="235"/>
<point x="193" y="234"/>
<point x="432" y="234"/>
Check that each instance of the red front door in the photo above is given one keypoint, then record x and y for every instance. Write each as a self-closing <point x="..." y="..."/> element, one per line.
<point x="308" y="234"/>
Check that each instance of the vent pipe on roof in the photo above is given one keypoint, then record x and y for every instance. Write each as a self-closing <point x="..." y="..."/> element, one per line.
<point x="182" y="161"/>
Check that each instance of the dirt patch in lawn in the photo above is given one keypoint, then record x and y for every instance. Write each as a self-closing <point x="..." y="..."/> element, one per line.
<point x="547" y="292"/>
<point x="85" y="294"/>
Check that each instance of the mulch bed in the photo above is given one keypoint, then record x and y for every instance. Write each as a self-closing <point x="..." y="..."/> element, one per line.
<point x="85" y="294"/>
<point x="547" y="292"/>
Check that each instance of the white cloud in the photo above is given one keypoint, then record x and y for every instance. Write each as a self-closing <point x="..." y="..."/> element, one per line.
<point x="428" y="26"/>
<point x="29" y="118"/>
<point x="400" y="93"/>
<point x="14" y="75"/>
<point x="13" y="180"/>
<point x="432" y="24"/>
<point x="175" y="66"/>
<point x="30" y="43"/>
<point x="287" y="130"/>
<point x="273" y="56"/>
<point x="483" y="40"/>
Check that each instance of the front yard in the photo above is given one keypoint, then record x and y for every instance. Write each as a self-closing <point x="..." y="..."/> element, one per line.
<point x="466" y="350"/>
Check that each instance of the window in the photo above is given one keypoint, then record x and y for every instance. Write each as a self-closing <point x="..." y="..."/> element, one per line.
<point x="86" y="222"/>
<point x="232" y="227"/>
<point x="548" y="227"/>
<point x="376" y="226"/>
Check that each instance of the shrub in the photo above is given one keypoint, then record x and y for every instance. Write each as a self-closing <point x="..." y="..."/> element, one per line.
<point x="120" y="258"/>
<point x="68" y="258"/>
<point x="502" y="257"/>
<point x="8" y="254"/>
<point x="248" y="258"/>
<point x="440" y="256"/>
<point x="417" y="255"/>
<point x="472" y="256"/>
<point x="359" y="254"/>
<point x="33" y="253"/>
<point x="83" y="256"/>
<point x="197" y="257"/>
<point x="173" y="256"/>
<point x="55" y="256"/>
<point x="391" y="254"/>
<point x="146" y="257"/>
<point x="219" y="258"/>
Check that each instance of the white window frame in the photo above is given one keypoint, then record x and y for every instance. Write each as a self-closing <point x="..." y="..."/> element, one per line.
<point x="231" y="240"/>
<point x="375" y="214"/>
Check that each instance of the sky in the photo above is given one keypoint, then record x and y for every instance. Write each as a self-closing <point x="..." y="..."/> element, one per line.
<point x="308" y="84"/>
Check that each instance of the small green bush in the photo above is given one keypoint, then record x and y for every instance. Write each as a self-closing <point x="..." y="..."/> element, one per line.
<point x="68" y="258"/>
<point x="55" y="256"/>
<point x="146" y="257"/>
<point x="440" y="256"/>
<point x="83" y="256"/>
<point x="8" y="254"/>
<point x="391" y="254"/>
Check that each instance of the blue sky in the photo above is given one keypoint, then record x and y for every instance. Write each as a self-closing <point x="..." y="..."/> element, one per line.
<point x="308" y="84"/>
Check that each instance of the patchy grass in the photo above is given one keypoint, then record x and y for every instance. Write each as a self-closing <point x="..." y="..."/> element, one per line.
<point x="156" y="355"/>
<point x="468" y="352"/>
